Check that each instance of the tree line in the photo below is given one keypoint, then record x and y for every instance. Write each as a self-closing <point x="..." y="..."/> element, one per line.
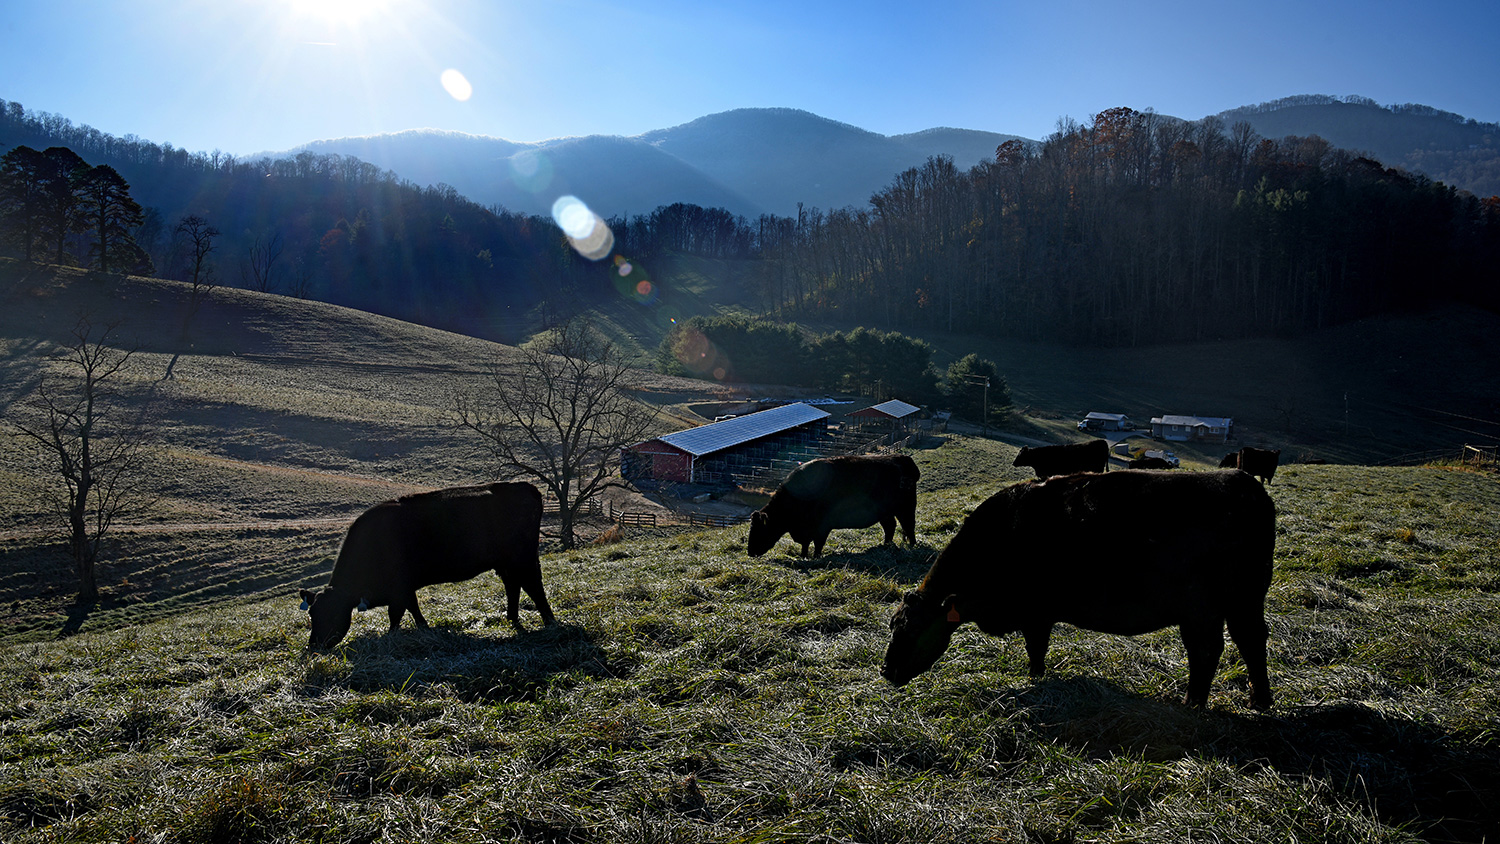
<point x="326" y="227"/>
<point x="1131" y="228"/>
<point x="865" y="361"/>
<point x="54" y="206"/>
<point x="1136" y="229"/>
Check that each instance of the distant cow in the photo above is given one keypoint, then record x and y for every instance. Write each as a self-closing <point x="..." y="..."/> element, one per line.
<point x="397" y="547"/>
<point x="1093" y="551"/>
<point x="839" y="492"/>
<point x="1050" y="460"/>
<point x="1260" y="462"/>
<point x="1150" y="463"/>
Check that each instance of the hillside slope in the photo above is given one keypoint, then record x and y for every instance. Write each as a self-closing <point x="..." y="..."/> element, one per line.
<point x="690" y="692"/>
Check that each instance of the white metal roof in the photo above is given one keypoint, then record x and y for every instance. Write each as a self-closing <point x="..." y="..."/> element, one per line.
<point x="717" y="436"/>
<point x="1190" y="421"/>
<point x="1110" y="417"/>
<point x="896" y="408"/>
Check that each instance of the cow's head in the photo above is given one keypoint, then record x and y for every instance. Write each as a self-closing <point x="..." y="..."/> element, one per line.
<point x="331" y="614"/>
<point x="920" y="631"/>
<point x="1023" y="457"/>
<point x="762" y="534"/>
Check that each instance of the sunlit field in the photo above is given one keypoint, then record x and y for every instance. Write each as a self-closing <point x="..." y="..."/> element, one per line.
<point x="689" y="692"/>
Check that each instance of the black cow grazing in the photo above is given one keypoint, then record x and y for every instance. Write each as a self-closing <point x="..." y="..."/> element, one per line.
<point x="1260" y="462"/>
<point x="1230" y="461"/>
<point x="1050" y="460"/>
<point x="1094" y="551"/>
<point x="1150" y="463"/>
<point x="397" y="547"/>
<point x="839" y="492"/>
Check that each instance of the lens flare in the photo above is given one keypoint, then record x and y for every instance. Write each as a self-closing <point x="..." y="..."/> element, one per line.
<point x="457" y="85"/>
<point x="532" y="170"/>
<point x="586" y="231"/>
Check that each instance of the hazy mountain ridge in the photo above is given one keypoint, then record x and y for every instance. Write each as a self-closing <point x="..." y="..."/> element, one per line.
<point x="769" y="160"/>
<point x="1444" y="146"/>
<point x="748" y="161"/>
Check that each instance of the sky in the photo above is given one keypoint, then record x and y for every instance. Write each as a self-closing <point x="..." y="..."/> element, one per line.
<point x="251" y="76"/>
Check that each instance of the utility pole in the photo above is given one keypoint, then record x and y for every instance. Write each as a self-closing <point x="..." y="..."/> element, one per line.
<point x="982" y="379"/>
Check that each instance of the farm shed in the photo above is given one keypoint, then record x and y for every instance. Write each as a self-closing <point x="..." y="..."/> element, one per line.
<point x="895" y="416"/>
<point x="1096" y="421"/>
<point x="1213" y="429"/>
<point x="717" y="452"/>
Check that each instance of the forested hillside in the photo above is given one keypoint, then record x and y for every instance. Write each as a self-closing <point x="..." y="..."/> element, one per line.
<point x="1444" y="146"/>
<point x="324" y="227"/>
<point x="1131" y="229"/>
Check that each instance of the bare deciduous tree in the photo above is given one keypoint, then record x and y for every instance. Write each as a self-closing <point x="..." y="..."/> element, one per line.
<point x="559" y="417"/>
<point x="197" y="238"/>
<point x="92" y="445"/>
<point x="259" y="269"/>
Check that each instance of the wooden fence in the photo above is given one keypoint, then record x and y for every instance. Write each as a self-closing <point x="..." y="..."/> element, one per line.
<point x="707" y="520"/>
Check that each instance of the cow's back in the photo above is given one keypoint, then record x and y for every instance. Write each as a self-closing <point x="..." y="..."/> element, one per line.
<point x="824" y="482"/>
<point x="443" y="536"/>
<point x="1085" y="546"/>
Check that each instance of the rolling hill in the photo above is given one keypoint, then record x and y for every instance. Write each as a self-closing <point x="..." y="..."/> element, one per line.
<point x="690" y="693"/>
<point x="1444" y="146"/>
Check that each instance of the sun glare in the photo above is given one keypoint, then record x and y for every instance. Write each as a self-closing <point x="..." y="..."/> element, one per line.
<point x="343" y="12"/>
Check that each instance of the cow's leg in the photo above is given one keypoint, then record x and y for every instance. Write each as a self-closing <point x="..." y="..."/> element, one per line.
<point x="538" y="596"/>
<point x="889" y="523"/>
<point x="1249" y="632"/>
<point x="1204" y="642"/>
<point x="416" y="614"/>
<point x="1037" y="640"/>
<point x="818" y="542"/>
<point x="396" y="610"/>
<point x="513" y="601"/>
<point x="909" y="527"/>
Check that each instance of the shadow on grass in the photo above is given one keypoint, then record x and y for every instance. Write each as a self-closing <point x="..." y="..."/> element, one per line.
<point x="1441" y="786"/>
<point x="477" y="665"/>
<point x="898" y="561"/>
<point x="78" y="613"/>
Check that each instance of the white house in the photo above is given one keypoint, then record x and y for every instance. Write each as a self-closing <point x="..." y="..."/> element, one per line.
<point x="1213" y="429"/>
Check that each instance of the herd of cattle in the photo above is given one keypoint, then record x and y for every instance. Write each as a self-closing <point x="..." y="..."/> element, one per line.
<point x="1078" y="546"/>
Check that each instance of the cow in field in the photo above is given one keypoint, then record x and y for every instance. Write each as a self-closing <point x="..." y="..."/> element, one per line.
<point x="1093" y="551"/>
<point x="1150" y="463"/>
<point x="445" y="536"/>
<point x="1260" y="462"/>
<point x="1050" y="460"/>
<point x="839" y="492"/>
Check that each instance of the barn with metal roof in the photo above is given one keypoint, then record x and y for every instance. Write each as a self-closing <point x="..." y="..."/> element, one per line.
<point x="893" y="417"/>
<point x="720" y="451"/>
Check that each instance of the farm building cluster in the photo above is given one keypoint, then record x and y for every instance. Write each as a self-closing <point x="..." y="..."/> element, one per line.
<point x="1208" y="429"/>
<point x="758" y="449"/>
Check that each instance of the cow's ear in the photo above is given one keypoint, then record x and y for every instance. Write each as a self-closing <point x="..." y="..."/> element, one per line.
<point x="758" y="517"/>
<point x="954" y="616"/>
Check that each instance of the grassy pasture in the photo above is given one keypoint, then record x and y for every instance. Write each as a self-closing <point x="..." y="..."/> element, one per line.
<point x="693" y="694"/>
<point x="690" y="693"/>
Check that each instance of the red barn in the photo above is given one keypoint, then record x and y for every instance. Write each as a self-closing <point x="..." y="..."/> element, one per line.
<point x="713" y="453"/>
<point x="894" y="416"/>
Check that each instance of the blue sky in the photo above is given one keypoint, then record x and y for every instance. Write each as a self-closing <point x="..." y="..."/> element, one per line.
<point x="246" y="76"/>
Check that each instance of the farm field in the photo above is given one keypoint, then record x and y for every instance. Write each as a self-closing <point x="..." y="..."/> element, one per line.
<point x="689" y="692"/>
